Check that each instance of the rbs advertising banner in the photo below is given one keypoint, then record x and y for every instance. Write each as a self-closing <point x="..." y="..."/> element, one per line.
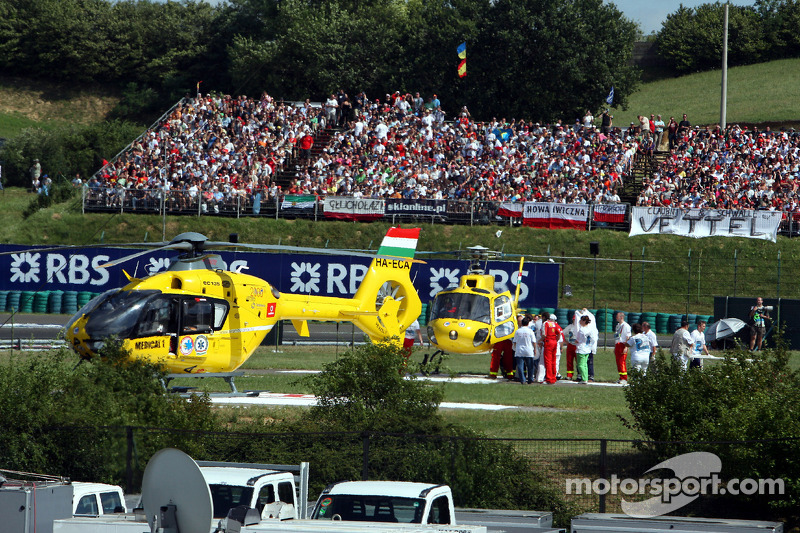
<point x="320" y="275"/>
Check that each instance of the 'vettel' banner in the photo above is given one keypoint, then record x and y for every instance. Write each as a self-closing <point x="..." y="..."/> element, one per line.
<point x="614" y="213"/>
<point x="354" y="208"/>
<point x="706" y="222"/>
<point x="555" y="216"/>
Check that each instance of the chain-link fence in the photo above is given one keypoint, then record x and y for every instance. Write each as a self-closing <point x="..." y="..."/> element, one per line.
<point x="569" y="467"/>
<point x="686" y="281"/>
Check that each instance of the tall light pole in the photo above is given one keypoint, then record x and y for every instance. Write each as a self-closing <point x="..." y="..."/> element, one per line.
<point x="724" y="100"/>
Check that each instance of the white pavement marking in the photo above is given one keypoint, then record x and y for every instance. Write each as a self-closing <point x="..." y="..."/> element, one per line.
<point x="26" y="325"/>
<point x="468" y="379"/>
<point x="309" y="400"/>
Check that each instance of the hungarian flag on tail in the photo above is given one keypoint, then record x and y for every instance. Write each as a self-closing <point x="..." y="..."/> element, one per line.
<point x="399" y="242"/>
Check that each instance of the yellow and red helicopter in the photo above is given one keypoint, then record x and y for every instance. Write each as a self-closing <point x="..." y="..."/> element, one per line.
<point x="472" y="317"/>
<point x="200" y="317"/>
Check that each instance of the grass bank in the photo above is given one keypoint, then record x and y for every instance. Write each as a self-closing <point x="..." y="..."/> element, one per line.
<point x="751" y="99"/>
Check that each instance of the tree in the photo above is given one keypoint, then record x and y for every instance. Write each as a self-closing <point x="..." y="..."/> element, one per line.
<point x="550" y="59"/>
<point x="55" y="415"/>
<point x="65" y="151"/>
<point x="780" y="21"/>
<point x="691" y="38"/>
<point x="750" y="397"/>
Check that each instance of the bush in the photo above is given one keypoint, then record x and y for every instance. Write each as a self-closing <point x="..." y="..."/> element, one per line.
<point x="59" y="192"/>
<point x="63" y="418"/>
<point x="368" y="388"/>
<point x="751" y="397"/>
<point x="64" y="151"/>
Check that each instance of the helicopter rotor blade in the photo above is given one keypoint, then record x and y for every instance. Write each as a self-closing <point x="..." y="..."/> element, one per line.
<point x="283" y="248"/>
<point x="66" y="247"/>
<point x="184" y="246"/>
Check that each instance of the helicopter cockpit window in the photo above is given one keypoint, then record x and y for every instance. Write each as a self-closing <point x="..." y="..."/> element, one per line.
<point x="502" y="308"/>
<point x="220" y="312"/>
<point x="463" y="306"/>
<point x="198" y="316"/>
<point x="118" y="314"/>
<point x="160" y="317"/>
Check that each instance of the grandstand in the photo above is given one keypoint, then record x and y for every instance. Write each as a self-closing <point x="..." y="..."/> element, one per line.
<point x="227" y="150"/>
<point x="240" y="156"/>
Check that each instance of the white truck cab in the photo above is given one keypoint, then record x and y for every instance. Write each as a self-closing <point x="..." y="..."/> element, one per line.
<point x="96" y="499"/>
<point x="386" y="501"/>
<point x="272" y="492"/>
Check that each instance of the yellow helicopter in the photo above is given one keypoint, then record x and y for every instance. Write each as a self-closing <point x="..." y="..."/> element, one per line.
<point x="472" y="317"/>
<point x="199" y="317"/>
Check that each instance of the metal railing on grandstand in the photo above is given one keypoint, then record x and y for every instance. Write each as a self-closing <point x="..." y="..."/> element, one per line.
<point x="562" y="465"/>
<point x="260" y="203"/>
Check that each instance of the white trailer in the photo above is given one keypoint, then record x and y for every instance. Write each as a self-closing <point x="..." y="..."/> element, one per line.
<point x="622" y="523"/>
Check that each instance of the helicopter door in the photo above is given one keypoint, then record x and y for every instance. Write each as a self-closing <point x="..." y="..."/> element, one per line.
<point x="197" y="316"/>
<point x="503" y="317"/>
<point x="159" y="319"/>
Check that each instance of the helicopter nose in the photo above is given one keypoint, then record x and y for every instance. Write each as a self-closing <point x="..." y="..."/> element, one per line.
<point x="453" y="335"/>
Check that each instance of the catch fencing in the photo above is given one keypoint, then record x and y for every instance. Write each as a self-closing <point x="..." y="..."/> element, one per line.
<point x="457" y="461"/>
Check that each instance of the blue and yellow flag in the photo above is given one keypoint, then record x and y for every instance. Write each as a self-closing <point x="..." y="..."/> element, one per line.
<point x="462" y="50"/>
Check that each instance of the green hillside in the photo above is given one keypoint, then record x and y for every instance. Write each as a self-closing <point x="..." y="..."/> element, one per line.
<point x="762" y="93"/>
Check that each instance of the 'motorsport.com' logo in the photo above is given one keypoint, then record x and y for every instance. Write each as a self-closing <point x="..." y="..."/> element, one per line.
<point x="695" y="474"/>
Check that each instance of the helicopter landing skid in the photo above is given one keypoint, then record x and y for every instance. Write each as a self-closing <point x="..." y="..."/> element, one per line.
<point x="227" y="376"/>
<point x="429" y="359"/>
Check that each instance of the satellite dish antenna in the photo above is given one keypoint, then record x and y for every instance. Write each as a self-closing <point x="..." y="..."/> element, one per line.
<point x="172" y="477"/>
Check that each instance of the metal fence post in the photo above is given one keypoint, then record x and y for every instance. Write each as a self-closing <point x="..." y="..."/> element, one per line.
<point x="641" y="303"/>
<point x="472" y="213"/>
<point x="129" y="459"/>
<point x="603" y="452"/>
<point x="735" y="268"/>
<point x="365" y="456"/>
<point x="688" y="281"/>
<point x="778" y="291"/>
<point x="453" y="463"/>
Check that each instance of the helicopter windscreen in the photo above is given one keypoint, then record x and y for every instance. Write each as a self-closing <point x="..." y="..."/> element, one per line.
<point x="89" y="307"/>
<point x="463" y="306"/>
<point x="117" y="314"/>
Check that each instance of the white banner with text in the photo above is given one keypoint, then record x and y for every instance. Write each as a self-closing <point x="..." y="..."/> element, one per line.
<point x="698" y="223"/>
<point x="555" y="216"/>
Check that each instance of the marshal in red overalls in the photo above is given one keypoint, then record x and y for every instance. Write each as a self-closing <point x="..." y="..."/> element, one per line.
<point x="551" y="332"/>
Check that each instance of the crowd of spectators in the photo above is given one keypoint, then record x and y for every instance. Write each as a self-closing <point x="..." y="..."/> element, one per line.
<point x="400" y="146"/>
<point x="214" y="150"/>
<point x="732" y="169"/>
